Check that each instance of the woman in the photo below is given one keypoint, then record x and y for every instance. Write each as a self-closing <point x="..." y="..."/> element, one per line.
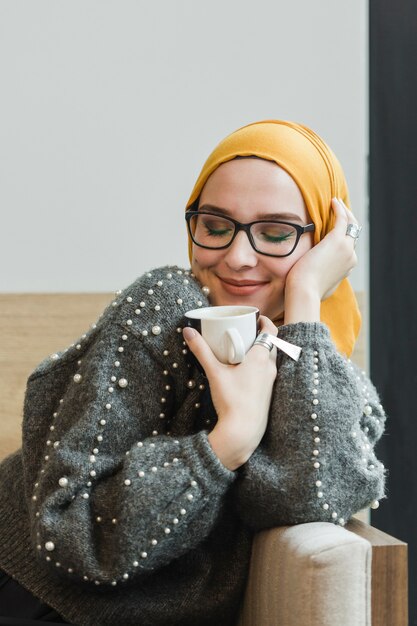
<point x="141" y="482"/>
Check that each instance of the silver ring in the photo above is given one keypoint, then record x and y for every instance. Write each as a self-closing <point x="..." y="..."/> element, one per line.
<point x="353" y="230"/>
<point x="264" y="340"/>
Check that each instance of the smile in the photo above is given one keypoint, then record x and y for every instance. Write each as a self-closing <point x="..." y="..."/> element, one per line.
<point x="241" y="287"/>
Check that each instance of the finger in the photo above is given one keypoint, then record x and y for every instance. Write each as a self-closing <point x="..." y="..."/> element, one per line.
<point x="351" y="217"/>
<point x="201" y="350"/>
<point x="267" y="326"/>
<point x="342" y="218"/>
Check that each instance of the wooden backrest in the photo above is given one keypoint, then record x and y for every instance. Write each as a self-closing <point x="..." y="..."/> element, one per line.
<point x="32" y="326"/>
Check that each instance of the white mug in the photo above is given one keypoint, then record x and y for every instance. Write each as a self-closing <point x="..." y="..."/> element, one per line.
<point x="229" y="330"/>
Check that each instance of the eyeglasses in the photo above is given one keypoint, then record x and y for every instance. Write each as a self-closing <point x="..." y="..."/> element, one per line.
<point x="216" y="232"/>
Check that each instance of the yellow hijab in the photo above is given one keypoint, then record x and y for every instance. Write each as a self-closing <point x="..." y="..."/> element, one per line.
<point x="319" y="175"/>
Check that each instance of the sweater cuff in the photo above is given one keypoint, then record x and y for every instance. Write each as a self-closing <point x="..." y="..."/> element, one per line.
<point x="207" y="464"/>
<point x="304" y="333"/>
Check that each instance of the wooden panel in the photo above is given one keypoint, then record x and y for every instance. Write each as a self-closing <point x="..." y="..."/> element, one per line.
<point x="389" y="575"/>
<point x="32" y="326"/>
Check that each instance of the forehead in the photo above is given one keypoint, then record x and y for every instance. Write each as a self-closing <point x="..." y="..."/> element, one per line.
<point x="248" y="186"/>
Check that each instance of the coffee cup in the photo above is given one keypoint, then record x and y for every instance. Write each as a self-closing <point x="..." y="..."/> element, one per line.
<point x="229" y="330"/>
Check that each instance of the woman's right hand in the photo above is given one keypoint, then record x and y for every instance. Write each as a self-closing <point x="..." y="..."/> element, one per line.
<point x="241" y="396"/>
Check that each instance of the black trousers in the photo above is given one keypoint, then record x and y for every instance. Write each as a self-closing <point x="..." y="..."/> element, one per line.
<point x="20" y="608"/>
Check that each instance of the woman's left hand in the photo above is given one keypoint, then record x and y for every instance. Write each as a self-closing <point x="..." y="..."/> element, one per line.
<point x="317" y="274"/>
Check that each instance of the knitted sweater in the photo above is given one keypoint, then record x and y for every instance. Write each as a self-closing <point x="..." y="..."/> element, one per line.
<point x="117" y="510"/>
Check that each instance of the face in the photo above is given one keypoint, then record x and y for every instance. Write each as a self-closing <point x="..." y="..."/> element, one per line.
<point x="250" y="189"/>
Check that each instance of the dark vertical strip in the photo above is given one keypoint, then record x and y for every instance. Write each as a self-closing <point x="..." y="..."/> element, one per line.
<point x="393" y="260"/>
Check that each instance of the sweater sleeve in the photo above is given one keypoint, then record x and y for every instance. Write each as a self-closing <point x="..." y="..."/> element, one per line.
<point x="316" y="461"/>
<point x="111" y="495"/>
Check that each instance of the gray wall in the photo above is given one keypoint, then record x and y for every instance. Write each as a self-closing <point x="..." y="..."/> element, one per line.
<point x="109" y="108"/>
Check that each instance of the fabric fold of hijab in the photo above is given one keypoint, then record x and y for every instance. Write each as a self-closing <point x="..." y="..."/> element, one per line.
<point x="319" y="175"/>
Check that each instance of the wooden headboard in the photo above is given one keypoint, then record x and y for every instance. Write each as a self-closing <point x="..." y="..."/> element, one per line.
<point x="32" y="326"/>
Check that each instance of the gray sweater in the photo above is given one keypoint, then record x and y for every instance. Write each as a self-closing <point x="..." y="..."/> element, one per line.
<point x="117" y="510"/>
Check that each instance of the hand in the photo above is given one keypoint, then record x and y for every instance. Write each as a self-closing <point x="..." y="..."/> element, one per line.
<point x="241" y="395"/>
<point x="317" y="274"/>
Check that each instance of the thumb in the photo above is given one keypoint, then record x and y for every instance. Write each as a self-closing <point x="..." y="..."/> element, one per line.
<point x="201" y="350"/>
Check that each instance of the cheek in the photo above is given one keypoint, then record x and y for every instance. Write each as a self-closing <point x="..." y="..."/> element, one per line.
<point x="203" y="258"/>
<point x="280" y="268"/>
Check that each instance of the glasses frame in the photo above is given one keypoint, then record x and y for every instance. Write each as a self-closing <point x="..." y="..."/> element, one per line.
<point x="308" y="228"/>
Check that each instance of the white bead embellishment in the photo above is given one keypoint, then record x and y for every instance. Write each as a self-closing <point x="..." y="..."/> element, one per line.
<point x="77" y="378"/>
<point x="63" y="482"/>
<point x="49" y="545"/>
<point x="122" y="382"/>
<point x="156" y="330"/>
<point x="205" y="290"/>
<point x="374" y="504"/>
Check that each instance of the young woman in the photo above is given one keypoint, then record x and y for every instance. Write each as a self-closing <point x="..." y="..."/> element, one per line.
<point x="141" y="481"/>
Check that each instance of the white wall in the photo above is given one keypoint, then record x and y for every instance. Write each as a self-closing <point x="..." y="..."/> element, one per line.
<point x="108" y="109"/>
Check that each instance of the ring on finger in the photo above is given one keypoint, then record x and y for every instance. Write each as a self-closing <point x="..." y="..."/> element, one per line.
<point x="264" y="339"/>
<point x="353" y="230"/>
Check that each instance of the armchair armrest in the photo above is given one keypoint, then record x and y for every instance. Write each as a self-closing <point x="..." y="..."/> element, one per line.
<point x="319" y="574"/>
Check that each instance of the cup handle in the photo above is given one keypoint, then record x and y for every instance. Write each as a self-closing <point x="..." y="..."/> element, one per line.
<point x="236" y="351"/>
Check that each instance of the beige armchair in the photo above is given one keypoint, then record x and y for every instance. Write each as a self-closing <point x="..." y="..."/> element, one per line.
<point x="319" y="574"/>
<point x="315" y="574"/>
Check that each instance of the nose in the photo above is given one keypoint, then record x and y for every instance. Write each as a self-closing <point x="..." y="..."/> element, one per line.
<point x="240" y="253"/>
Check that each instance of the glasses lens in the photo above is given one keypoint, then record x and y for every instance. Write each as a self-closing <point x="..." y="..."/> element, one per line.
<point x="274" y="238"/>
<point x="212" y="231"/>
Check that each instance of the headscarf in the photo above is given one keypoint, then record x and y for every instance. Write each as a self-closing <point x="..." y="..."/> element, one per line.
<point x="319" y="176"/>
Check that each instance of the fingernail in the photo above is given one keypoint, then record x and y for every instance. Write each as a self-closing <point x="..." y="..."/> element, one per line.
<point x="188" y="333"/>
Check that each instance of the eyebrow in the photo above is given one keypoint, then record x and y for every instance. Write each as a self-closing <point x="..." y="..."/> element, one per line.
<point x="286" y="215"/>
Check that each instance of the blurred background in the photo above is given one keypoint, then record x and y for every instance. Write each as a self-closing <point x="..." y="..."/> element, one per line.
<point x="108" y="110"/>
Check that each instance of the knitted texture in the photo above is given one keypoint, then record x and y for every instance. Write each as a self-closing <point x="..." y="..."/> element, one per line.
<point x="117" y="510"/>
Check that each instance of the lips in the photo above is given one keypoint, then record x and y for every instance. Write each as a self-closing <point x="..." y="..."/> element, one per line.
<point x="241" y="287"/>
